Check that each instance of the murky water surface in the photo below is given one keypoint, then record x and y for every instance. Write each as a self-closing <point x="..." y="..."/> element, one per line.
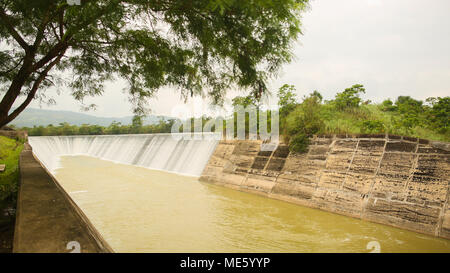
<point x="142" y="210"/>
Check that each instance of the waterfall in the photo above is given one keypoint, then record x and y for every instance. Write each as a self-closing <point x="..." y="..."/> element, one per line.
<point x="153" y="151"/>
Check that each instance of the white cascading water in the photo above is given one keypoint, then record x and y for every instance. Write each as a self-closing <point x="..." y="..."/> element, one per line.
<point x="155" y="151"/>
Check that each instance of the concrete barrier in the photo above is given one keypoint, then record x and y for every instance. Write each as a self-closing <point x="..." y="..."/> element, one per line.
<point x="392" y="180"/>
<point x="48" y="220"/>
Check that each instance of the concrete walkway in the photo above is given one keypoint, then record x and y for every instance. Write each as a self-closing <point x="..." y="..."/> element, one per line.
<point x="47" y="218"/>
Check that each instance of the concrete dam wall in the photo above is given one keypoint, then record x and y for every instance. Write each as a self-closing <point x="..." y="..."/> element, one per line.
<point x="157" y="151"/>
<point x="398" y="181"/>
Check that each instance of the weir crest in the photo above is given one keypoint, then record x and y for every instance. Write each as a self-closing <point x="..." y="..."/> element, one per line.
<point x="153" y="151"/>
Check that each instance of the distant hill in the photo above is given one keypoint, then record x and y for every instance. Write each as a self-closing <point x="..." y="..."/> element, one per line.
<point x="35" y="117"/>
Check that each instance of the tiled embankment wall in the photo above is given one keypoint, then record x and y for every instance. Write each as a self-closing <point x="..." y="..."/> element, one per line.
<point x="398" y="181"/>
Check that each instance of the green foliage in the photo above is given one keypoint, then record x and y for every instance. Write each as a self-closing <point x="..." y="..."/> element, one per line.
<point x="316" y="94"/>
<point x="244" y="101"/>
<point x="372" y="126"/>
<point x="347" y="115"/>
<point x="299" y="143"/>
<point x="410" y="111"/>
<point x="87" y="129"/>
<point x="439" y="114"/>
<point x="286" y="100"/>
<point x="286" y="103"/>
<point x="9" y="155"/>
<point x="306" y="118"/>
<point x="201" y="47"/>
<point x="388" y="106"/>
<point x="116" y="128"/>
<point x="349" y="98"/>
<point x="305" y="121"/>
<point x="136" y="125"/>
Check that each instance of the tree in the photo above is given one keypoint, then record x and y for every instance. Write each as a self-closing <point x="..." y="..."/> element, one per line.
<point x="136" y="124"/>
<point x="316" y="94"/>
<point x="286" y="99"/>
<point x="200" y="47"/>
<point x="388" y="106"/>
<point x="114" y="128"/>
<point x="244" y="101"/>
<point x="305" y="121"/>
<point x="411" y="111"/>
<point x="349" y="98"/>
<point x="247" y="103"/>
<point x="439" y="114"/>
<point x="306" y="118"/>
<point x="287" y="103"/>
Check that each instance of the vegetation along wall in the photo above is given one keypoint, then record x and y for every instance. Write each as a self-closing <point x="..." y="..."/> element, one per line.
<point x="393" y="180"/>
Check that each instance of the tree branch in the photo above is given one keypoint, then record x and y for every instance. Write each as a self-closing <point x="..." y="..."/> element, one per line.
<point x="34" y="89"/>
<point x="55" y="51"/>
<point x="61" y="23"/>
<point x="12" y="31"/>
<point x="41" y="29"/>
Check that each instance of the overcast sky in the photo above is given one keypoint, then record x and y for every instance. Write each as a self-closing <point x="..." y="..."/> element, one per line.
<point x="392" y="47"/>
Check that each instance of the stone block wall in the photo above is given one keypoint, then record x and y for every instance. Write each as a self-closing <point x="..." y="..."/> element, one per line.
<point x="393" y="180"/>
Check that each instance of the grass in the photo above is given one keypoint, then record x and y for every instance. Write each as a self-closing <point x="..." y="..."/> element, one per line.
<point x="9" y="155"/>
<point x="350" y="122"/>
<point x="9" y="179"/>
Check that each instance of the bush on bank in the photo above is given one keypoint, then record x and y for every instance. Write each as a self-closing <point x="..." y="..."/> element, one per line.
<point x="348" y="113"/>
<point x="9" y="155"/>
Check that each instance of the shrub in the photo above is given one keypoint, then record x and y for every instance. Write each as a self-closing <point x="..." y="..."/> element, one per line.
<point x="9" y="155"/>
<point x="439" y="114"/>
<point x="388" y="106"/>
<point x="299" y="143"/>
<point x="286" y="99"/>
<point x="372" y="126"/>
<point x="349" y="98"/>
<point x="306" y="118"/>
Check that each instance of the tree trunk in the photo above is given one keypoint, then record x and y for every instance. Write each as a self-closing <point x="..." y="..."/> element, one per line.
<point x="18" y="82"/>
<point x="8" y="100"/>
<point x="14" y="89"/>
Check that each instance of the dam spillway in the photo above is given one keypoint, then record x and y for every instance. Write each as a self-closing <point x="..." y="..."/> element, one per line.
<point x="154" y="151"/>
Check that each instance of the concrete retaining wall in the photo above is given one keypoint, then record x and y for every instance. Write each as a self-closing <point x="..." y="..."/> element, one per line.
<point x="47" y="218"/>
<point x="393" y="180"/>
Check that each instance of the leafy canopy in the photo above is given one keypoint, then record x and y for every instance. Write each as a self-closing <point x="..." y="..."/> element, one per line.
<point x="349" y="98"/>
<point x="286" y="99"/>
<point x="200" y="47"/>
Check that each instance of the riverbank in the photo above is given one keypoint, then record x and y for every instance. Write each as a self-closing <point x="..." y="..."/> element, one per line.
<point x="9" y="178"/>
